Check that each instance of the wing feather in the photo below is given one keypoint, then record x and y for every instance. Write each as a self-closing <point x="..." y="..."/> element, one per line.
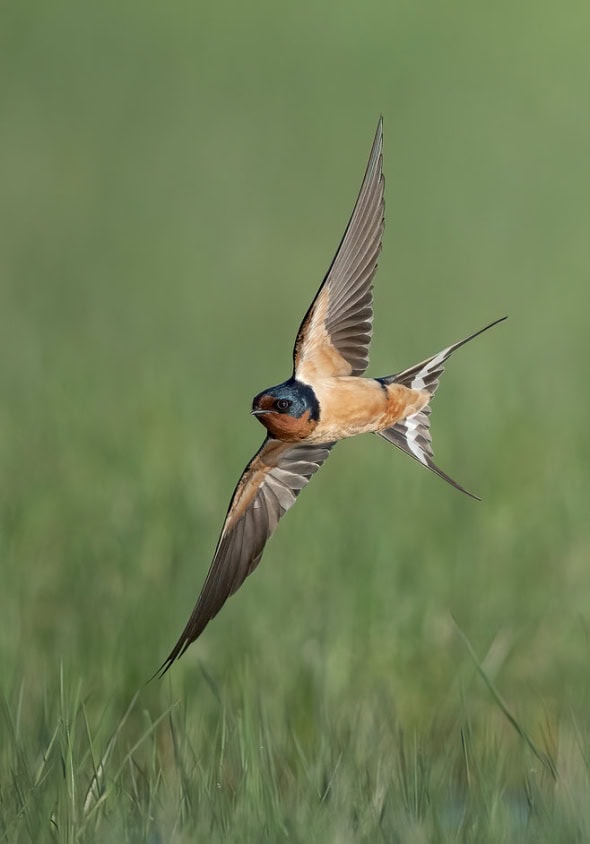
<point x="269" y="486"/>
<point x="335" y="334"/>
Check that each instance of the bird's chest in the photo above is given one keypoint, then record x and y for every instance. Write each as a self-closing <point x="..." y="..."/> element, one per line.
<point x="351" y="406"/>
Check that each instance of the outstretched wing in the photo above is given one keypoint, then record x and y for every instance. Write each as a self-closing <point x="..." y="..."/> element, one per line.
<point x="267" y="489"/>
<point x="335" y="334"/>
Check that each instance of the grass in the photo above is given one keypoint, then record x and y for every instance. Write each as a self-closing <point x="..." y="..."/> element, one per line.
<point x="406" y="665"/>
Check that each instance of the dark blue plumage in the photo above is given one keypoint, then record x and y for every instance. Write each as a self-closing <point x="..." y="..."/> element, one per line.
<point x="292" y="397"/>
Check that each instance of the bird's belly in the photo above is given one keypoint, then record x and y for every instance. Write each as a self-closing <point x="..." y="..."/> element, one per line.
<point x="351" y="406"/>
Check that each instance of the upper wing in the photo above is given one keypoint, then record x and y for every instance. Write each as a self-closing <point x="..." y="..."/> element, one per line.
<point x="335" y="334"/>
<point x="268" y="487"/>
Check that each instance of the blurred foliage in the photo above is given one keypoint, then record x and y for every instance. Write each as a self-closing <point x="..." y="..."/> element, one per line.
<point x="175" y="178"/>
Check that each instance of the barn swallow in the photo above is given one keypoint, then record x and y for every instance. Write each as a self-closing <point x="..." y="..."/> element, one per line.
<point x="326" y="399"/>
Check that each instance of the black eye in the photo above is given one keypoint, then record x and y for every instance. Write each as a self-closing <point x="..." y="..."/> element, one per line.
<point x="283" y="404"/>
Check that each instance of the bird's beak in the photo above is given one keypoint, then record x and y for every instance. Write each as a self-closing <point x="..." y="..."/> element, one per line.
<point x="259" y="412"/>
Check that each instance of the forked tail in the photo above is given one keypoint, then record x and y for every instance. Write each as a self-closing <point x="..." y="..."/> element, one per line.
<point x="412" y="434"/>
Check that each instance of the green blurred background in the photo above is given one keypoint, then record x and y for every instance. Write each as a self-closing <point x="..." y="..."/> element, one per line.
<point x="174" y="180"/>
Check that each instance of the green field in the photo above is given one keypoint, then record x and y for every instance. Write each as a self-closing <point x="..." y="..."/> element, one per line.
<point x="406" y="665"/>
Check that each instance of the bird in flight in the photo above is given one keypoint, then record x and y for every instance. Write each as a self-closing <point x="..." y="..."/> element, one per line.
<point x="326" y="399"/>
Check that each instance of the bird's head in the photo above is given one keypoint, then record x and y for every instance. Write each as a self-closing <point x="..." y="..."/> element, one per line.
<point x="290" y="411"/>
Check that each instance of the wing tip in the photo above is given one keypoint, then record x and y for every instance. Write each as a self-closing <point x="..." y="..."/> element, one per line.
<point x="377" y="148"/>
<point x="379" y="131"/>
<point x="174" y="655"/>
